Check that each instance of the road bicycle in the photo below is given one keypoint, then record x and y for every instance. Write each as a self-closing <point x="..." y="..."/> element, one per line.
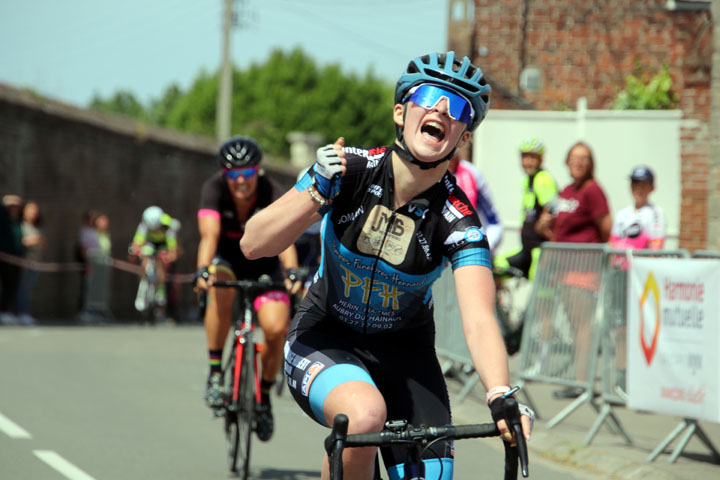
<point x="241" y="376"/>
<point x="147" y="301"/>
<point x="418" y="439"/>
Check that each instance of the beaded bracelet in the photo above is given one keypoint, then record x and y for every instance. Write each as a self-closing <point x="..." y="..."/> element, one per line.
<point x="322" y="201"/>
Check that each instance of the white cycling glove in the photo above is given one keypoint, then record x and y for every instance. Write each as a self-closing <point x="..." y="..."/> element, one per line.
<point x="328" y="169"/>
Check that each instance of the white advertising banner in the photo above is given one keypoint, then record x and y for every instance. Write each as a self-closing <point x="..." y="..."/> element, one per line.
<point x="673" y="337"/>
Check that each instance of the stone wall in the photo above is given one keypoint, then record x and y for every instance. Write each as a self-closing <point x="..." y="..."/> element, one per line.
<point x="70" y="160"/>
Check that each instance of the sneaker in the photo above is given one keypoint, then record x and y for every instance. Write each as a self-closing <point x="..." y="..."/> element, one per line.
<point x="7" y="318"/>
<point x="26" y="320"/>
<point x="569" y="392"/>
<point x="215" y="392"/>
<point x="265" y="422"/>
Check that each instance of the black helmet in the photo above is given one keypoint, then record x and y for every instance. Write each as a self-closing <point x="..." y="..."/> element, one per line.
<point x="238" y="152"/>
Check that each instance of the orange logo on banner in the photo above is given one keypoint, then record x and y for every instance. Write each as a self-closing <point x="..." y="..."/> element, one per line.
<point x="650" y="287"/>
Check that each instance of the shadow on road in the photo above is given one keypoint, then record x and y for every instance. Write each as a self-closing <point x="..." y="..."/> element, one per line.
<point x="271" y="473"/>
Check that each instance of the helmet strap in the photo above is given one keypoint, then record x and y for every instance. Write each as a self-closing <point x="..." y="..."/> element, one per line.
<point x="404" y="153"/>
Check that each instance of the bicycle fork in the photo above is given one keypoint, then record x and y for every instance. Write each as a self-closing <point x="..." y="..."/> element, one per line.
<point x="242" y="343"/>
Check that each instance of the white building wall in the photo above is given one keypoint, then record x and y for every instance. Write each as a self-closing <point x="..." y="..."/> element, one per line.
<point x="619" y="140"/>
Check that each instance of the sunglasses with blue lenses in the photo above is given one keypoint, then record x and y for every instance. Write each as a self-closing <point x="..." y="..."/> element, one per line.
<point x="428" y="96"/>
<point x="246" y="173"/>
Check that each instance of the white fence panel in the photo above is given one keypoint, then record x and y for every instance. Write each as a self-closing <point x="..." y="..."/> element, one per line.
<point x="619" y="139"/>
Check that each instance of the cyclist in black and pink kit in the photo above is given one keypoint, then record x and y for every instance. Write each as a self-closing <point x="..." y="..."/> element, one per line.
<point x="228" y="199"/>
<point x="362" y="342"/>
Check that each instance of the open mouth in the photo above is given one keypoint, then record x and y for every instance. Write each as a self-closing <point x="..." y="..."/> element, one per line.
<point x="433" y="130"/>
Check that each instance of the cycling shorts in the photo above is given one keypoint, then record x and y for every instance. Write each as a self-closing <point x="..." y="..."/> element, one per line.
<point x="321" y="354"/>
<point x="272" y="296"/>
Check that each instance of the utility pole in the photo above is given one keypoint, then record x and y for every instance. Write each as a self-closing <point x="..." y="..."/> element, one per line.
<point x="713" y="218"/>
<point x="223" y="119"/>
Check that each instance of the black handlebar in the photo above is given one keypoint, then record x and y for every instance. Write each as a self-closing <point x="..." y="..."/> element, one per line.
<point x="264" y="283"/>
<point x="404" y="433"/>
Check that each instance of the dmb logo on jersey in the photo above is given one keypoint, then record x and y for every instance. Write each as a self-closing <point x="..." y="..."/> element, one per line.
<point x="386" y="234"/>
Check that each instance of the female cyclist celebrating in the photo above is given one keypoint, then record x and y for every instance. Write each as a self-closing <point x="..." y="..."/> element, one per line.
<point x="362" y="342"/>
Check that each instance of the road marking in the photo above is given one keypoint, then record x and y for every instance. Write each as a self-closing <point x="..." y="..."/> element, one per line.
<point x="61" y="465"/>
<point x="12" y="429"/>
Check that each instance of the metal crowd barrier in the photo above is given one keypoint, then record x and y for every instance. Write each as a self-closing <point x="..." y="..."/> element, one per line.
<point x="449" y="336"/>
<point x="613" y="337"/>
<point x="561" y="336"/>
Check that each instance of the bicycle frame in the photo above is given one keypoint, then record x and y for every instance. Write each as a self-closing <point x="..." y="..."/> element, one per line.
<point x="240" y="410"/>
<point x="244" y="338"/>
<point x="145" y="299"/>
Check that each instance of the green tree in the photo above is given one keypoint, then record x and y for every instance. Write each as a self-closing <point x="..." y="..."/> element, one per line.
<point x="645" y="92"/>
<point x="286" y="93"/>
<point x="122" y="103"/>
<point x="160" y="110"/>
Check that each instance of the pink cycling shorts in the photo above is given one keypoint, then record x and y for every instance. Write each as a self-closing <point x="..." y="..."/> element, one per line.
<point x="272" y="296"/>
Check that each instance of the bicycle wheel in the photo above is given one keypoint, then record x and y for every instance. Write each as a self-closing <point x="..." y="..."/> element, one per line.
<point x="240" y="426"/>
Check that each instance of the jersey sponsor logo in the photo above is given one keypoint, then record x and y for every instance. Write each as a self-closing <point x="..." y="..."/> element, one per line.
<point x="386" y="234"/>
<point x="376" y="190"/>
<point x="310" y="375"/>
<point x="470" y="235"/>
<point x="633" y="231"/>
<point x="418" y="210"/>
<point x="373" y="155"/>
<point x="448" y="184"/>
<point x="473" y="234"/>
<point x="388" y="293"/>
<point x="454" y="208"/>
<point x="349" y="217"/>
<point x="424" y="245"/>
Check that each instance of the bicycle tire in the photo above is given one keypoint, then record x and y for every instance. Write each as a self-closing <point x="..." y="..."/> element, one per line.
<point x="246" y="410"/>
<point x="232" y="436"/>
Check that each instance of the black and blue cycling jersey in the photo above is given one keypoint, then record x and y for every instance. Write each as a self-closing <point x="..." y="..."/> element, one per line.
<point x="368" y="316"/>
<point x="379" y="262"/>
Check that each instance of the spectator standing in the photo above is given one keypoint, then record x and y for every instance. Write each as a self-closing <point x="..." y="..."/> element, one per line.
<point x="11" y="244"/>
<point x="538" y="190"/>
<point x="102" y="230"/>
<point x="87" y="240"/>
<point x="580" y="214"/>
<point x="642" y="224"/>
<point x="33" y="241"/>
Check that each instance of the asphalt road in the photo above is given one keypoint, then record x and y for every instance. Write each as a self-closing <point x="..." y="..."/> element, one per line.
<point x="117" y="403"/>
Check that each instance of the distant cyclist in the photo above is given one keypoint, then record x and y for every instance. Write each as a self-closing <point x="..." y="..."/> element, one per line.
<point x="229" y="198"/>
<point x="539" y="189"/>
<point x="642" y="224"/>
<point x="473" y="183"/>
<point x="158" y="230"/>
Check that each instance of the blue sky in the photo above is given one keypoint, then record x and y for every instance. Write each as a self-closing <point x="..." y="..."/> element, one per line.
<point x="70" y="50"/>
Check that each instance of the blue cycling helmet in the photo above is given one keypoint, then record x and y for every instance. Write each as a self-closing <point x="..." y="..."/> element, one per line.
<point x="445" y="70"/>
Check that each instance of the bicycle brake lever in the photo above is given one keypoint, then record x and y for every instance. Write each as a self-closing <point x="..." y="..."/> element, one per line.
<point x="512" y="417"/>
<point x="339" y="432"/>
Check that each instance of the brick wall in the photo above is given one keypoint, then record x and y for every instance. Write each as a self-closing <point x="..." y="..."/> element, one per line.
<point x="69" y="160"/>
<point x="586" y="48"/>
